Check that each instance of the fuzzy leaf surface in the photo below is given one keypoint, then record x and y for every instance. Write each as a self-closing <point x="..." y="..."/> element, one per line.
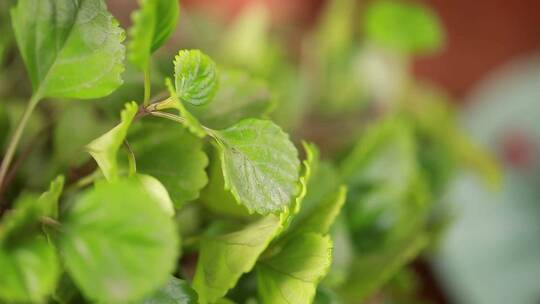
<point x="195" y="77"/>
<point x="260" y="165"/>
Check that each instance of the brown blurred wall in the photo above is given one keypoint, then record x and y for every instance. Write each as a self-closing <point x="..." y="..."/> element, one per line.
<point x="481" y="35"/>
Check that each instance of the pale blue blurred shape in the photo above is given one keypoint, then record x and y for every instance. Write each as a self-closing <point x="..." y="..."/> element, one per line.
<point x="491" y="253"/>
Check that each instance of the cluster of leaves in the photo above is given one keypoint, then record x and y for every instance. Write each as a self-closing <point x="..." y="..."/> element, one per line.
<point x="196" y="196"/>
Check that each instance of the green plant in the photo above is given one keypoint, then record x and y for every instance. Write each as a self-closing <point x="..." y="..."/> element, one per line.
<point x="200" y="170"/>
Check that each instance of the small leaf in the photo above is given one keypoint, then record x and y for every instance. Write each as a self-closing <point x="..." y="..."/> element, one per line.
<point x="260" y="165"/>
<point x="191" y="122"/>
<point x="171" y="154"/>
<point x="195" y="77"/>
<point x="403" y="27"/>
<point x="292" y="275"/>
<point x="118" y="244"/>
<point x="28" y="261"/>
<point x="58" y="38"/>
<point x="240" y="96"/>
<point x="176" y="291"/>
<point x="153" y="24"/>
<point x="105" y="148"/>
<point x="224" y="258"/>
<point x="49" y="200"/>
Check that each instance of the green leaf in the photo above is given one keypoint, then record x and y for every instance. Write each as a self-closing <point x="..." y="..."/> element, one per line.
<point x="190" y="121"/>
<point x="240" y="96"/>
<point x="171" y="154"/>
<point x="49" y="200"/>
<point x="29" y="270"/>
<point x="379" y="172"/>
<point x="57" y="38"/>
<point x="158" y="192"/>
<point x="292" y="275"/>
<point x="176" y="291"/>
<point x="224" y="258"/>
<point x="105" y="148"/>
<point x="153" y="24"/>
<point x="28" y="261"/>
<point x="260" y="165"/>
<point x="370" y="271"/>
<point x="403" y="27"/>
<point x="195" y="77"/>
<point x="321" y="218"/>
<point x="118" y="244"/>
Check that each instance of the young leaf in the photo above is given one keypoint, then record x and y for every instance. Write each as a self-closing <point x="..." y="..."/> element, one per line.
<point x="191" y="122"/>
<point x="48" y="201"/>
<point x="176" y="291"/>
<point x="403" y="27"/>
<point x="118" y="244"/>
<point x="105" y="148"/>
<point x="195" y="77"/>
<point x="153" y="24"/>
<point x="292" y="275"/>
<point x="260" y="165"/>
<point x="224" y="258"/>
<point x="28" y="261"/>
<point x="171" y="154"/>
<point x="240" y="96"/>
<point x="57" y="38"/>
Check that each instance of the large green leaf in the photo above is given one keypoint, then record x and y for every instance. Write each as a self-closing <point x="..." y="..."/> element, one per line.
<point x="260" y="165"/>
<point x="117" y="242"/>
<point x="403" y="27"/>
<point x="171" y="154"/>
<point x="195" y="77"/>
<point x="72" y="49"/>
<point x="240" y="96"/>
<point x="292" y="275"/>
<point x="153" y="24"/>
<point x="224" y="258"/>
<point x="28" y="261"/>
<point x="105" y="148"/>
<point x="176" y="291"/>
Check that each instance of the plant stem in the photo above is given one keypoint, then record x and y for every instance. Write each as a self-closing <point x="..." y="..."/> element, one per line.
<point x="131" y="159"/>
<point x="147" y="85"/>
<point x="181" y="120"/>
<point x="12" y="146"/>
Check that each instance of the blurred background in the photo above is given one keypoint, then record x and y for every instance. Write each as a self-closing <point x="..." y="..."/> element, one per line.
<point x="489" y="65"/>
<point x="460" y="72"/>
